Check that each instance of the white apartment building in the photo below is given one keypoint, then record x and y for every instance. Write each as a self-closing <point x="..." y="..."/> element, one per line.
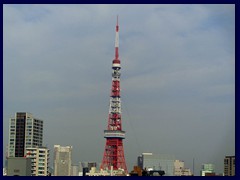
<point x="40" y="160"/>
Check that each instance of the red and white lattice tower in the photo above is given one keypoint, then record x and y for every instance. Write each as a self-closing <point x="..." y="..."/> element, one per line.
<point x="114" y="151"/>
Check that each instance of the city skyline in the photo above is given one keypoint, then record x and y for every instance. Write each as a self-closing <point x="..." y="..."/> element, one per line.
<point x="177" y="83"/>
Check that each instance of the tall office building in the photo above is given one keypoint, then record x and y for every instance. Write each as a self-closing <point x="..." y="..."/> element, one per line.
<point x="40" y="160"/>
<point x="164" y="162"/>
<point x="25" y="131"/>
<point x="62" y="160"/>
<point x="229" y="166"/>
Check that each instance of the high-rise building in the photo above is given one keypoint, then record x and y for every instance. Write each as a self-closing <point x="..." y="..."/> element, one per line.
<point x="207" y="169"/>
<point x="62" y="160"/>
<point x="229" y="166"/>
<point x="114" y="152"/>
<point x="25" y="131"/>
<point x="40" y="160"/>
<point x="164" y="162"/>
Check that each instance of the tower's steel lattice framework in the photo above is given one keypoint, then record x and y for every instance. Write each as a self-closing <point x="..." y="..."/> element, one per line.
<point x="114" y="151"/>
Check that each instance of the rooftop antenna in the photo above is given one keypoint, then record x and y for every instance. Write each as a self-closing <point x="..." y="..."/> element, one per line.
<point x="117" y="41"/>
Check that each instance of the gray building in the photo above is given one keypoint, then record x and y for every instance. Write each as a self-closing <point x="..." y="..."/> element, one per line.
<point x="25" y="131"/>
<point x="164" y="162"/>
<point x="75" y="170"/>
<point x="62" y="160"/>
<point x="19" y="166"/>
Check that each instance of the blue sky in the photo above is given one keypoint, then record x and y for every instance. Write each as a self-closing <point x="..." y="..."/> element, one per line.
<point x="177" y="83"/>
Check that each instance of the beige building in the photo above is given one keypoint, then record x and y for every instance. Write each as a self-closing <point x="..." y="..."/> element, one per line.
<point x="40" y="160"/>
<point x="229" y="166"/>
<point x="62" y="160"/>
<point x="180" y="170"/>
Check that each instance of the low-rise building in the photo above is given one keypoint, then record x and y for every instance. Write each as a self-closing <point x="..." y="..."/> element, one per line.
<point x="94" y="172"/>
<point x="75" y="170"/>
<point x="19" y="166"/>
<point x="207" y="168"/>
<point x="164" y="162"/>
<point x="180" y="170"/>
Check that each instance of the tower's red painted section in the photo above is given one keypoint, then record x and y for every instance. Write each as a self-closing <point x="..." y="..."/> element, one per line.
<point x="114" y="151"/>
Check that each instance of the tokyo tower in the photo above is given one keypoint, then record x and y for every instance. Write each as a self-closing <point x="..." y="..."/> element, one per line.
<point x="114" y="152"/>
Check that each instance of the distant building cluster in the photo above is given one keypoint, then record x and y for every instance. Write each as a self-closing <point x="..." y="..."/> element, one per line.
<point x="26" y="156"/>
<point x="164" y="162"/>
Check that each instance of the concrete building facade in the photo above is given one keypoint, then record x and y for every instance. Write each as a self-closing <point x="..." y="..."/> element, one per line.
<point x="40" y="160"/>
<point x="229" y="166"/>
<point x="25" y="131"/>
<point x="62" y="160"/>
<point x="19" y="166"/>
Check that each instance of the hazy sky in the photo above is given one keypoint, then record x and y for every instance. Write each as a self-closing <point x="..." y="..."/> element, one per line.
<point x="177" y="83"/>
